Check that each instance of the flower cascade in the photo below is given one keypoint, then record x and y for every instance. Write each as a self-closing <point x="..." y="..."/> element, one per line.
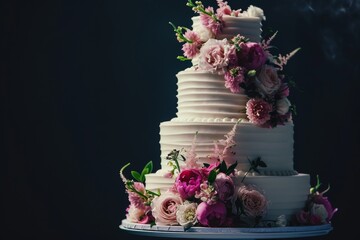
<point x="247" y="67"/>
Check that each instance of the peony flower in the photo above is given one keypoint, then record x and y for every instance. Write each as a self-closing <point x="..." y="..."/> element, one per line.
<point x="164" y="208"/>
<point x="206" y="171"/>
<point x="188" y="183"/>
<point x="283" y="106"/>
<point x="233" y="78"/>
<point x="253" y="11"/>
<point x="216" y="55"/>
<point x="211" y="215"/>
<point x="251" y="56"/>
<point x="224" y="187"/>
<point x="258" y="111"/>
<point x="139" y="214"/>
<point x="134" y="198"/>
<point x="186" y="214"/>
<point x="209" y="22"/>
<point x="253" y="202"/>
<point x="191" y="49"/>
<point x="268" y="81"/>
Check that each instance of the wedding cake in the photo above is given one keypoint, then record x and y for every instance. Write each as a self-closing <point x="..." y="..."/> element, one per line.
<point x="233" y="132"/>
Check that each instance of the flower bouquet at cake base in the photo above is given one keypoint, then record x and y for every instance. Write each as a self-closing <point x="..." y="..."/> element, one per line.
<point x="205" y="195"/>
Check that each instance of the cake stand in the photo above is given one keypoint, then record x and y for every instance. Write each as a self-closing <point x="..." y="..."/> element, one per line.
<point x="225" y="233"/>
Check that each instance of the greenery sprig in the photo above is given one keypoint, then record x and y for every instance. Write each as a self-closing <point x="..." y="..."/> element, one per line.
<point x="254" y="165"/>
<point x="198" y="7"/>
<point x="175" y="156"/>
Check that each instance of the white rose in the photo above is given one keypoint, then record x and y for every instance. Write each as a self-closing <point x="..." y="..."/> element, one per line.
<point x="186" y="214"/>
<point x="320" y="211"/>
<point x="253" y="11"/>
<point x="282" y="106"/>
<point x="204" y="33"/>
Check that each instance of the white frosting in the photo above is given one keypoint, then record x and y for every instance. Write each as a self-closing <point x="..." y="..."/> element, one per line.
<point x="247" y="26"/>
<point x="274" y="146"/>
<point x="202" y="94"/>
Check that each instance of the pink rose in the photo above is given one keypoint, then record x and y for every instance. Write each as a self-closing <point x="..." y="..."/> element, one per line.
<point x="134" y="198"/>
<point x="188" y="183"/>
<point x="258" y="111"/>
<point x="164" y="208"/>
<point x="216" y="55"/>
<point x="224" y="187"/>
<point x="211" y="215"/>
<point x="253" y="202"/>
<point x="251" y="56"/>
<point x="210" y="23"/>
<point x="233" y="78"/>
<point x="268" y="81"/>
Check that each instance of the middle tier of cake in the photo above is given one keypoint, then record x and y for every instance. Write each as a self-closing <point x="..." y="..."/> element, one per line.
<point x="274" y="146"/>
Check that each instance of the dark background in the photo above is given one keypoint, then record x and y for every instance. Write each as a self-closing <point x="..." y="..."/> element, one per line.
<point x="85" y="84"/>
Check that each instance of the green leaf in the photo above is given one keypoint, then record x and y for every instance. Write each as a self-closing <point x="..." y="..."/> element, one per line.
<point x="206" y="165"/>
<point x="149" y="166"/>
<point x="143" y="173"/>
<point x="136" y="175"/>
<point x="212" y="176"/>
<point x="231" y="169"/>
<point x="261" y="163"/>
<point x="223" y="167"/>
<point x="183" y="59"/>
<point x="251" y="73"/>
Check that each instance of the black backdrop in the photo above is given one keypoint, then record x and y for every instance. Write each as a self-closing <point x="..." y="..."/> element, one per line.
<point x="85" y="84"/>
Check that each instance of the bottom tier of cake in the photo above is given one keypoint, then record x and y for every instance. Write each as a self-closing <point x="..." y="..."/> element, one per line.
<point x="286" y="195"/>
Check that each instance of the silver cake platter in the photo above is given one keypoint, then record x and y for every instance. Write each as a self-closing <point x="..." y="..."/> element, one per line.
<point x="225" y="233"/>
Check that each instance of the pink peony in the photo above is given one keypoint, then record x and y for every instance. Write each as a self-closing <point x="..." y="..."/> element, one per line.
<point x="253" y="202"/>
<point x="206" y="171"/>
<point x="216" y="55"/>
<point x="164" y="208"/>
<point x="193" y="48"/>
<point x="251" y="56"/>
<point x="210" y="23"/>
<point x="134" y="198"/>
<point x="268" y="81"/>
<point x="211" y="215"/>
<point x="258" y="111"/>
<point x="233" y="78"/>
<point x="139" y="214"/>
<point x="188" y="183"/>
<point x="224" y="187"/>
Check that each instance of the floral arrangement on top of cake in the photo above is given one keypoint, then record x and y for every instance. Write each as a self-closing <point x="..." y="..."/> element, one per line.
<point x="207" y="196"/>
<point x="246" y="66"/>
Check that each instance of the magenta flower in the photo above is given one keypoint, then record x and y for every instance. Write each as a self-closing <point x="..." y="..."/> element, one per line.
<point x="224" y="187"/>
<point x="139" y="214"/>
<point x="192" y="48"/>
<point x="251" y="56"/>
<point x="209" y="22"/>
<point x="233" y="78"/>
<point x="211" y="215"/>
<point x="216" y="55"/>
<point x="188" y="183"/>
<point x="324" y="201"/>
<point x="258" y="111"/>
<point x="206" y="171"/>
